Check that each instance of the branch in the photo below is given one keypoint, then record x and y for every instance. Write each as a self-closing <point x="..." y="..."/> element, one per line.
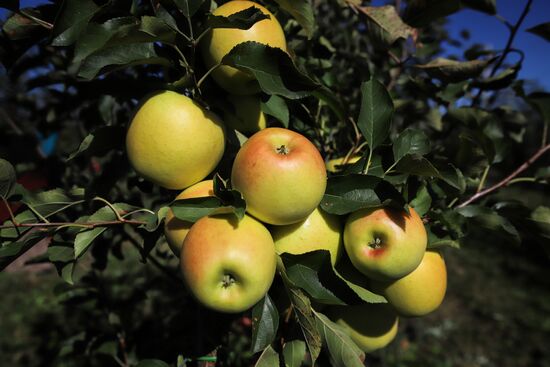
<point x="89" y="225"/>
<point x="509" y="178"/>
<point x="513" y="31"/>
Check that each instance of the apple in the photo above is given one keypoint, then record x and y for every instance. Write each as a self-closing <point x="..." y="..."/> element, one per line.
<point x="228" y="265"/>
<point x="174" y="142"/>
<point x="420" y="292"/>
<point x="176" y="229"/>
<point x="385" y="243"/>
<point x="371" y="326"/>
<point x="319" y="231"/>
<point x="281" y="176"/>
<point x="245" y="114"/>
<point x="219" y="41"/>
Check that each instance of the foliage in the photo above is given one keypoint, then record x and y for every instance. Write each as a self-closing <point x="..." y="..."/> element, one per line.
<point x="448" y="136"/>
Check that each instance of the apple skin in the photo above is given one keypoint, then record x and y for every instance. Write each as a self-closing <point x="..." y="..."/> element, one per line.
<point x="420" y="292"/>
<point x="371" y="326"/>
<point x="176" y="229"/>
<point x="228" y="265"/>
<point x="281" y="176"/>
<point x="402" y="242"/>
<point x="218" y="42"/>
<point x="246" y="114"/>
<point x="334" y="165"/>
<point x="319" y="231"/>
<point x="174" y="142"/>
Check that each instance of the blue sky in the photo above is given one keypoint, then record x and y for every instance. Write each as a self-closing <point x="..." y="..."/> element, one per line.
<point x="486" y="30"/>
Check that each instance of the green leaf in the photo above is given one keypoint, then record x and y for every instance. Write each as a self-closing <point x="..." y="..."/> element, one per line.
<point x="386" y="26"/>
<point x="500" y="81"/>
<point x="193" y="209"/>
<point x="268" y="358"/>
<point x="272" y="67"/>
<point x="84" y="238"/>
<point x="101" y="141"/>
<point x="18" y="27"/>
<point x="342" y="350"/>
<point x="490" y="219"/>
<point x="153" y="221"/>
<point x="188" y="7"/>
<point x="61" y="254"/>
<point x="541" y="30"/>
<point x="452" y="71"/>
<point x="12" y="250"/>
<point x="265" y="322"/>
<point x="376" y="112"/>
<point x="7" y="179"/>
<point x="357" y="281"/>
<point x="454" y="177"/>
<point x="304" y="314"/>
<point x="243" y="19"/>
<point x="294" y="353"/>
<point x="48" y="202"/>
<point x="152" y="363"/>
<point x="485" y="6"/>
<point x="302" y="11"/>
<point x="346" y="194"/>
<point x="438" y="241"/>
<point x="419" y="13"/>
<point x="417" y="165"/>
<point x="313" y="272"/>
<point x="120" y="56"/>
<point x="410" y="141"/>
<point x="277" y="107"/>
<point x="72" y="21"/>
<point x="422" y="202"/>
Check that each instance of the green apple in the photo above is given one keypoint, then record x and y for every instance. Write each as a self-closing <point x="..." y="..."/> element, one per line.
<point x="173" y="141"/>
<point x="176" y="229"/>
<point x="245" y="114"/>
<point x="228" y="265"/>
<point x="385" y="243"/>
<point x="319" y="231"/>
<point x="371" y="326"/>
<point x="420" y="292"/>
<point x="281" y="176"/>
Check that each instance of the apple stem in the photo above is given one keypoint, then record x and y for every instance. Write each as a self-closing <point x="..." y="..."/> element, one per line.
<point x="227" y="280"/>
<point x="375" y="243"/>
<point x="283" y="150"/>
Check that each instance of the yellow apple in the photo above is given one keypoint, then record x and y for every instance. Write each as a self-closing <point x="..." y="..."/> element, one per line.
<point x="245" y="114"/>
<point x="218" y="42"/>
<point x="319" y="231"/>
<point x="174" y="142"/>
<point x="385" y="243"/>
<point x="281" y="176"/>
<point x="228" y="265"/>
<point x="176" y="229"/>
<point x="371" y="326"/>
<point x="420" y="292"/>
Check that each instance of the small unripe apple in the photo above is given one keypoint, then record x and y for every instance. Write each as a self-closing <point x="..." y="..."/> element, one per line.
<point x="371" y="326"/>
<point x="319" y="231"/>
<point x="176" y="229"/>
<point x="385" y="243"/>
<point x="228" y="265"/>
<point x="420" y="292"/>
<point x="281" y="176"/>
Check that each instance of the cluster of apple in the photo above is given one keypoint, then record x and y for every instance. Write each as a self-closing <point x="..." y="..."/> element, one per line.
<point x="229" y="265"/>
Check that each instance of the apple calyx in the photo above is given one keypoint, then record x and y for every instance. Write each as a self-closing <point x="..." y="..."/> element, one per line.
<point x="228" y="280"/>
<point x="376" y="243"/>
<point x="282" y="150"/>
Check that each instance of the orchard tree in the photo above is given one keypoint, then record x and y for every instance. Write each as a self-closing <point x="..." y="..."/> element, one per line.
<point x="430" y="142"/>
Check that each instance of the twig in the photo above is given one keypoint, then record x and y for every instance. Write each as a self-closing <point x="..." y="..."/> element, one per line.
<point x="89" y="225"/>
<point x="513" y="31"/>
<point x="12" y="217"/>
<point x="507" y="179"/>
